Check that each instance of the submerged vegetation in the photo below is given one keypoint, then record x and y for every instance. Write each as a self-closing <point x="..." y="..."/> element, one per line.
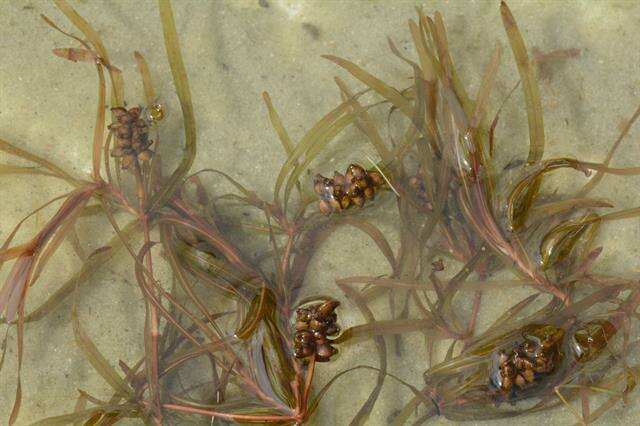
<point x="231" y="335"/>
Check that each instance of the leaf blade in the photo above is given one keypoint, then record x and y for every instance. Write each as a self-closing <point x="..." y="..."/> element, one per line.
<point x="529" y="85"/>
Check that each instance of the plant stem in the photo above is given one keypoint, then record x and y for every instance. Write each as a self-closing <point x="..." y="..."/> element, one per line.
<point x="153" y="312"/>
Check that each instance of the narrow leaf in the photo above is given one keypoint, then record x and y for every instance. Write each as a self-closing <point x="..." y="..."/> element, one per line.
<point x="529" y="85"/>
<point x="94" y="38"/>
<point x="262" y="306"/>
<point x="383" y="89"/>
<point x="559" y="242"/>
<point x="97" y="360"/>
<point x="183" y="91"/>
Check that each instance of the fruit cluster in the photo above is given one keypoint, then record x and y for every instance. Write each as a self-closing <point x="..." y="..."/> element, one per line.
<point x="536" y="357"/>
<point x="345" y="190"/>
<point x="314" y="324"/>
<point x="131" y="136"/>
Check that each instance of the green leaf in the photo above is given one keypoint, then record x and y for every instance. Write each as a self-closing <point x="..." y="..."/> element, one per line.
<point x="97" y="360"/>
<point x="529" y="86"/>
<point x="560" y="241"/>
<point x="183" y="91"/>
<point x="262" y="306"/>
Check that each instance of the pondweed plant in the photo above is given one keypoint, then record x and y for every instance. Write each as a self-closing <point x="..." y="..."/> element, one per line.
<point x="230" y="335"/>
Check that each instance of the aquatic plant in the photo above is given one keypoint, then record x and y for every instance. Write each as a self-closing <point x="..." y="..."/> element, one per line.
<point x="455" y="203"/>
<point x="234" y="322"/>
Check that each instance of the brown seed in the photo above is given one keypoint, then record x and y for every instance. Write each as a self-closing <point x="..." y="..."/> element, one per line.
<point x="362" y="183"/>
<point x="123" y="142"/>
<point x="301" y="325"/>
<point x="118" y="112"/>
<point x="354" y="191"/>
<point x="507" y="383"/>
<point x="134" y="112"/>
<point x="518" y="363"/>
<point x="314" y="324"/>
<point x="356" y="171"/>
<point x="303" y="351"/>
<point x="369" y="193"/>
<point x="324" y="207"/>
<point x="328" y="307"/>
<point x="528" y="375"/>
<point x="376" y="178"/>
<point x="321" y="339"/>
<point x="530" y="347"/>
<point x="302" y="314"/>
<point x="325" y="351"/>
<point x="127" y="161"/>
<point x="542" y="365"/>
<point x="348" y="176"/>
<point x="520" y="381"/>
<point x="145" y="155"/>
<point x="308" y="351"/>
<point x="338" y="179"/>
<point x="322" y="184"/>
<point x="335" y="205"/>
<point x="332" y="330"/>
<point x="123" y="119"/>
<point x="304" y="337"/>
<point x="507" y="370"/>
<point x="123" y="132"/>
<point x="358" y="201"/>
<point x="345" y="202"/>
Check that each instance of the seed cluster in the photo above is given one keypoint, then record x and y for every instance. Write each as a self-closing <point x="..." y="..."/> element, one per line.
<point x="346" y="190"/>
<point x="314" y="324"/>
<point x="132" y="136"/>
<point x="533" y="359"/>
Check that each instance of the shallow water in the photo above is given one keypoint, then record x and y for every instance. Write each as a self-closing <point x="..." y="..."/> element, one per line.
<point x="233" y="52"/>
